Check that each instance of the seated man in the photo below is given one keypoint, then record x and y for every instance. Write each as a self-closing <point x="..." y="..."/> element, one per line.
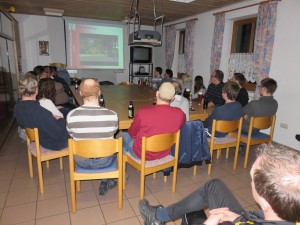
<point x="90" y="121"/>
<point x="214" y="90"/>
<point x="243" y="96"/>
<point x="53" y="134"/>
<point x="156" y="77"/>
<point x="152" y="120"/>
<point x="275" y="187"/>
<point x="266" y="105"/>
<point x="231" y="110"/>
<point x="179" y="101"/>
<point x="167" y="77"/>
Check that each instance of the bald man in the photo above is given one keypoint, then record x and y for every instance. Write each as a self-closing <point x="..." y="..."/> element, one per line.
<point x="91" y="121"/>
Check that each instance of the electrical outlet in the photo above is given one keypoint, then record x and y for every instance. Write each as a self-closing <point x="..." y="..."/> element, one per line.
<point x="284" y="125"/>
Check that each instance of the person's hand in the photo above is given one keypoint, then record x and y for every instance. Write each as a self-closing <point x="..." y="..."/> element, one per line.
<point x="211" y="104"/>
<point x="246" y="117"/>
<point x="56" y="117"/>
<point x="220" y="215"/>
<point x="59" y="107"/>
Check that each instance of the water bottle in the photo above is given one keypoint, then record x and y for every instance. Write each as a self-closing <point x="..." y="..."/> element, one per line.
<point x="205" y="103"/>
<point x="130" y="110"/>
<point x="102" y="102"/>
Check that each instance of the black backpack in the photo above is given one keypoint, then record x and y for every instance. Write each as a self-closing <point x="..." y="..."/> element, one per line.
<point x="194" y="218"/>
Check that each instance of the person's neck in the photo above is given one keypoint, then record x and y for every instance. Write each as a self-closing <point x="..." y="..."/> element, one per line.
<point x="93" y="102"/>
<point x="28" y="98"/>
<point x="161" y="102"/>
<point x="229" y="101"/>
<point x="270" y="215"/>
<point x="266" y="95"/>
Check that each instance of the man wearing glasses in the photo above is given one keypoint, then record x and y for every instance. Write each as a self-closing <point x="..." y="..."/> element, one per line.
<point x="214" y="90"/>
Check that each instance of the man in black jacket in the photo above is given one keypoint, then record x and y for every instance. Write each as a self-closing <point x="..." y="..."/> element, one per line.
<point x="275" y="187"/>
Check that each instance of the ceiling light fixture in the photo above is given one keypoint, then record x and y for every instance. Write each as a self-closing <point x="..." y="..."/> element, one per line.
<point x="53" y="12"/>
<point x="183" y="1"/>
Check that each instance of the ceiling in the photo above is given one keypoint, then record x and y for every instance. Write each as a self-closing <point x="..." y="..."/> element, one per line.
<point x="117" y="10"/>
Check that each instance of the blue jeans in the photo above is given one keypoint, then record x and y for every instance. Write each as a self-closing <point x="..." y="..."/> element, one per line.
<point x="96" y="163"/>
<point x="127" y="143"/>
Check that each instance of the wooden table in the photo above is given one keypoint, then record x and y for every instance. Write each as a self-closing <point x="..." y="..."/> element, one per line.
<point x="117" y="98"/>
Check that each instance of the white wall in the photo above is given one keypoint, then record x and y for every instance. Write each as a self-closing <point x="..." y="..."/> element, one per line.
<point x="284" y="67"/>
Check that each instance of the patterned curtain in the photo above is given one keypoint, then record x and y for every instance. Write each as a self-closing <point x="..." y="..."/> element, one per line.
<point x="216" y="48"/>
<point x="264" y="39"/>
<point x="189" y="46"/>
<point x="170" y="45"/>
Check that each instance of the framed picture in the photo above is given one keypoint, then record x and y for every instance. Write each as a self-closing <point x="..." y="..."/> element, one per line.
<point x="44" y="47"/>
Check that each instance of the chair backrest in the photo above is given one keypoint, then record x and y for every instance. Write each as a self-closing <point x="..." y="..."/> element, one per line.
<point x="262" y="122"/>
<point x="95" y="148"/>
<point x="225" y="126"/>
<point x="31" y="133"/>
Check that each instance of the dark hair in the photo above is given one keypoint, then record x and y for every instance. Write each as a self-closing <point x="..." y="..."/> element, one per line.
<point x="159" y="70"/>
<point x="240" y="78"/>
<point x="277" y="180"/>
<point x="39" y="70"/>
<point x="270" y="84"/>
<point x="232" y="90"/>
<point x="47" y="89"/>
<point x="198" y="83"/>
<point x="169" y="72"/>
<point x="219" y="75"/>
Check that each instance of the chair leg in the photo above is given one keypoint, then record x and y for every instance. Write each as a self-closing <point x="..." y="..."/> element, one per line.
<point x="61" y="165"/>
<point x="227" y="153"/>
<point x="165" y="179"/>
<point x="246" y="156"/>
<point x="124" y="175"/>
<point x="73" y="195"/>
<point x="30" y="164"/>
<point x="209" y="168"/>
<point x="218" y="153"/>
<point x="78" y="187"/>
<point x="120" y="192"/>
<point x="47" y="164"/>
<point x="154" y="175"/>
<point x="195" y="170"/>
<point x="236" y="156"/>
<point x="142" y="185"/>
<point x="40" y="175"/>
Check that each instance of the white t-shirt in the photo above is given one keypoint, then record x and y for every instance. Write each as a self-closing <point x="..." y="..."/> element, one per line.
<point x="49" y="105"/>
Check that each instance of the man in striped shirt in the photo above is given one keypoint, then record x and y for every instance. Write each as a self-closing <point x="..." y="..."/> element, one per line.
<point x="90" y="121"/>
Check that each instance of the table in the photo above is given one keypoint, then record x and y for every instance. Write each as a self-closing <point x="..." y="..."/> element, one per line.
<point x="117" y="98"/>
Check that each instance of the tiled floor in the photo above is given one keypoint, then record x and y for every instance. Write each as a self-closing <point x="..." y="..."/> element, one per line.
<point x="21" y="202"/>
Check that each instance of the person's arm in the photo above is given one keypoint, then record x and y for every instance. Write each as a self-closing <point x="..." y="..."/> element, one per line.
<point x="209" y="120"/>
<point x="135" y="126"/>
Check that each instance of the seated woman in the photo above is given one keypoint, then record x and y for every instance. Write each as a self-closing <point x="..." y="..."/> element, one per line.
<point x="243" y="96"/>
<point x="46" y="97"/>
<point x="186" y="82"/>
<point x="198" y="86"/>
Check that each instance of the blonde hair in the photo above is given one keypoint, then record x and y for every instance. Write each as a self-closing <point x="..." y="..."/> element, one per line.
<point x="186" y="78"/>
<point x="28" y="85"/>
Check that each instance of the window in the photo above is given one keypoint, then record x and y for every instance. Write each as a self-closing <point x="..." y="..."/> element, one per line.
<point x="243" y="36"/>
<point x="181" y="41"/>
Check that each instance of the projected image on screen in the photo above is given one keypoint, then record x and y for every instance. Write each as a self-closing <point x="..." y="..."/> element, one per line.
<point x="93" y="46"/>
<point x="98" y="49"/>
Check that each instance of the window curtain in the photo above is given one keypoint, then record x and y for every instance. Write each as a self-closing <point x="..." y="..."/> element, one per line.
<point x="217" y="43"/>
<point x="189" y="46"/>
<point x="264" y="39"/>
<point x="170" y="39"/>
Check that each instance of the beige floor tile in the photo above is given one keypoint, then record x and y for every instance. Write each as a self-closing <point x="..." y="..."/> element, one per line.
<point x="53" y="178"/>
<point x="21" y="197"/>
<point x="186" y="190"/>
<point x="133" y="188"/>
<point x="245" y="194"/>
<point x="130" y="221"/>
<point x="4" y="186"/>
<point x="85" y="199"/>
<point x="3" y="197"/>
<point x="32" y="222"/>
<point x="156" y="185"/>
<point x="110" y="196"/>
<point x="167" y="197"/>
<point x="113" y="214"/>
<point x="53" y="191"/>
<point x="25" y="212"/>
<point x="233" y="182"/>
<point x="6" y="175"/>
<point x="21" y="183"/>
<point x="52" y="207"/>
<point x="56" y="219"/>
<point x="135" y="201"/>
<point x="91" y="216"/>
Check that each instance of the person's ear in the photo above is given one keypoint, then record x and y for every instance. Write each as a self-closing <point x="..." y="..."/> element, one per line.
<point x="80" y="93"/>
<point x="157" y="94"/>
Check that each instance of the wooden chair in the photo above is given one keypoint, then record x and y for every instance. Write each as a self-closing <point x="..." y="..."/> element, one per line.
<point x="41" y="154"/>
<point x="156" y="143"/>
<point x="95" y="149"/>
<point x="249" y="139"/>
<point x="228" y="141"/>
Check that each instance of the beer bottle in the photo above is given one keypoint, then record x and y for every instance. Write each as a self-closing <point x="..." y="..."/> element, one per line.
<point x="130" y="110"/>
<point x="205" y="103"/>
<point x="102" y="102"/>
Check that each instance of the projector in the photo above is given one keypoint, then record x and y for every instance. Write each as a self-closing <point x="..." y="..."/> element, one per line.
<point x="145" y="37"/>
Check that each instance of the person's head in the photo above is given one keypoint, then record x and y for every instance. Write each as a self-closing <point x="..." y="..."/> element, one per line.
<point x="230" y="91"/>
<point x="48" y="70"/>
<point x="185" y="78"/>
<point x="267" y="87"/>
<point x="47" y="89"/>
<point x="239" y="78"/>
<point x="177" y="87"/>
<point x="217" y="77"/>
<point x="40" y="72"/>
<point x="158" y="71"/>
<point x="28" y="85"/>
<point x="198" y="83"/>
<point x="168" y="73"/>
<point x="90" y="90"/>
<point x="165" y="93"/>
<point x="276" y="180"/>
<point x="53" y="70"/>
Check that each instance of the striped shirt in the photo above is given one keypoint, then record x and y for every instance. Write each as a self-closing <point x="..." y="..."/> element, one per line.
<point x="92" y="122"/>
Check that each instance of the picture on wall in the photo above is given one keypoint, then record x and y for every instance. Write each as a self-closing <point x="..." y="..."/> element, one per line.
<point x="44" y="47"/>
